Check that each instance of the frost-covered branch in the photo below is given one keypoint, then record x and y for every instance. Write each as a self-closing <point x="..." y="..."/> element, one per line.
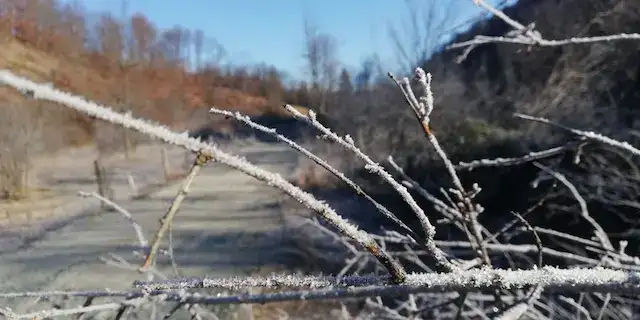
<point x="165" y="223"/>
<point x="437" y="256"/>
<point x="527" y="35"/>
<point x="422" y="108"/>
<point x="157" y="131"/>
<point x="321" y="288"/>
<point x="572" y="280"/>
<point x="586" y="134"/>
<point x="142" y="240"/>
<point x="52" y="313"/>
<point x="502" y="162"/>
<point x="247" y="121"/>
<point x="598" y="231"/>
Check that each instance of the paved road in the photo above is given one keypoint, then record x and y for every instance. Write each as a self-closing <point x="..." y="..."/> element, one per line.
<point x="228" y="224"/>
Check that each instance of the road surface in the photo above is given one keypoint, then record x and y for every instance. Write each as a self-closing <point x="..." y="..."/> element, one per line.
<point x="228" y="224"/>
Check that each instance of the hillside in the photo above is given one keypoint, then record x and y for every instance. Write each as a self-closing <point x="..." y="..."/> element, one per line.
<point x="599" y="82"/>
<point x="592" y="87"/>
<point x="80" y="76"/>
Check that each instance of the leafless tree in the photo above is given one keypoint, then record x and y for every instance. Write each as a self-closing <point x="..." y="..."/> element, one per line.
<point x="424" y="30"/>
<point x="323" y="67"/>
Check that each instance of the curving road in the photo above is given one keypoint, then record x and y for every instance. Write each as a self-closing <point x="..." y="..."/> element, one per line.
<point x="228" y="224"/>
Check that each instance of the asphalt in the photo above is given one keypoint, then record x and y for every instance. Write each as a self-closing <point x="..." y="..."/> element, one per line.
<point x="229" y="224"/>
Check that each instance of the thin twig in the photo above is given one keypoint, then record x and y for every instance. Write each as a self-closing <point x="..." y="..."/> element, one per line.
<point x="142" y="241"/>
<point x="272" y="132"/>
<point x="538" y="242"/>
<point x="439" y="259"/>
<point x="422" y="108"/>
<point x="74" y="311"/>
<point x="584" y="211"/>
<point x="528" y="35"/>
<point x="503" y="162"/>
<point x="586" y="134"/>
<point x="165" y="223"/>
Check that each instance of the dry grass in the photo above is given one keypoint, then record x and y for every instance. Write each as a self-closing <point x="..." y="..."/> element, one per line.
<point x="20" y="139"/>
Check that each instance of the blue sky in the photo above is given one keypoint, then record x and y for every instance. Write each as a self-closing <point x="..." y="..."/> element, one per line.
<point x="272" y="31"/>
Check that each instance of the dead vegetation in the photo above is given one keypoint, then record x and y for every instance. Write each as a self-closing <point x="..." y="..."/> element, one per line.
<point x="20" y="139"/>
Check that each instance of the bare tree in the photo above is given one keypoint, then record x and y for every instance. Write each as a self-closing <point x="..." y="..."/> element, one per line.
<point x="423" y="31"/>
<point x="198" y="44"/>
<point x="323" y="66"/>
<point x="143" y="38"/>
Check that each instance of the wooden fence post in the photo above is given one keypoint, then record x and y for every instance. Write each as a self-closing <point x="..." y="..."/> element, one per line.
<point x="103" y="183"/>
<point x="126" y="141"/>
<point x="165" y="163"/>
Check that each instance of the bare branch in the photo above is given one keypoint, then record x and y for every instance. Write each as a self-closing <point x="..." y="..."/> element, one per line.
<point x="246" y="120"/>
<point x="160" y="132"/>
<point x="503" y="162"/>
<point x="529" y="36"/>
<point x="596" y="279"/>
<point x="584" y="211"/>
<point x="567" y="280"/>
<point x="142" y="240"/>
<point x="586" y="134"/>
<point x="165" y="222"/>
<point x="439" y="259"/>
<point x="422" y="108"/>
<point x="69" y="312"/>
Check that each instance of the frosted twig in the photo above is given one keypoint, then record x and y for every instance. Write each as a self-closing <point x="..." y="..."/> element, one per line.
<point x="422" y="109"/>
<point x="438" y="257"/>
<point x="183" y="140"/>
<point x="596" y="279"/>
<point x="581" y="309"/>
<point x="449" y="211"/>
<point x="593" y="246"/>
<point x="584" y="211"/>
<point x="480" y="39"/>
<point x="272" y="132"/>
<point x="321" y="228"/>
<point x="516" y="311"/>
<point x="142" y="241"/>
<point x="586" y="134"/>
<point x="501" y="162"/>
<point x="498" y="13"/>
<point x="44" y="314"/>
<point x="535" y="235"/>
<point x="522" y="249"/>
<point x="119" y="262"/>
<point x="165" y="223"/>
<point x="585" y="242"/>
<point x="529" y="36"/>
